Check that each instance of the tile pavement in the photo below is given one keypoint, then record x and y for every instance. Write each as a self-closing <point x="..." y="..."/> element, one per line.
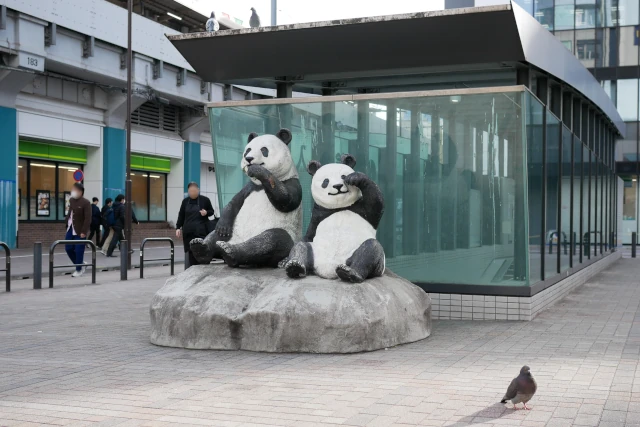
<point x="80" y="356"/>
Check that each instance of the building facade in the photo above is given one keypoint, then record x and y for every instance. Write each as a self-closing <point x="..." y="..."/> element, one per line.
<point x="604" y="35"/>
<point x="63" y="109"/>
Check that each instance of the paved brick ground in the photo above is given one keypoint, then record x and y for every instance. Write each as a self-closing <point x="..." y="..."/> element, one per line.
<point x="79" y="355"/>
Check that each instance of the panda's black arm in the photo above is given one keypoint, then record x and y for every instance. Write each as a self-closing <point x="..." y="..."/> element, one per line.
<point x="371" y="206"/>
<point x="285" y="196"/>
<point x="318" y="214"/>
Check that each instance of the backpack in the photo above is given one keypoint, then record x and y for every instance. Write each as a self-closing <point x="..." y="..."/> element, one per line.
<point x="109" y="217"/>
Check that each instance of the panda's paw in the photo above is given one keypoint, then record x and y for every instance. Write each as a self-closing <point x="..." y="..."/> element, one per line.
<point x="200" y="251"/>
<point x="295" y="269"/>
<point x="283" y="263"/>
<point x="347" y="274"/>
<point x="227" y="253"/>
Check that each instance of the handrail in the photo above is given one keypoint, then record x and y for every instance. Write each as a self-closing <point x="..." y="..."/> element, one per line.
<point x="156" y="239"/>
<point x="7" y="268"/>
<point x="72" y="242"/>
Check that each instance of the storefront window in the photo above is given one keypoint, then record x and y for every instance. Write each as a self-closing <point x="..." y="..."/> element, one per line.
<point x="630" y="202"/>
<point x="65" y="182"/>
<point x="23" y="207"/>
<point x="157" y="197"/>
<point x="42" y="180"/>
<point x="149" y="195"/>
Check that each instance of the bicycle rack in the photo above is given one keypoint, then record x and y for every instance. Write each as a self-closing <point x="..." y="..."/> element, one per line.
<point x="156" y="239"/>
<point x="7" y="268"/>
<point x="72" y="242"/>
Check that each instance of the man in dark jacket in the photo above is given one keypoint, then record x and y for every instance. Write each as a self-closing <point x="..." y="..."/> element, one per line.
<point x="119" y="213"/>
<point x="78" y="221"/>
<point x="107" y="220"/>
<point x="96" y="220"/>
<point x="193" y="218"/>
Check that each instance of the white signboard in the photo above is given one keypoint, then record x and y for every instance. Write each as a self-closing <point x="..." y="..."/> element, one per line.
<point x="28" y="60"/>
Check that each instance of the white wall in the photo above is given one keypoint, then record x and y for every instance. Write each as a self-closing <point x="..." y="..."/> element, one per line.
<point x="208" y="186"/>
<point x="160" y="144"/>
<point x="93" y="174"/>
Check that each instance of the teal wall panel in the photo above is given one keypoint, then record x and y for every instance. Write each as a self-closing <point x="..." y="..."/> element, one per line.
<point x="114" y="162"/>
<point x="8" y="171"/>
<point x="191" y="163"/>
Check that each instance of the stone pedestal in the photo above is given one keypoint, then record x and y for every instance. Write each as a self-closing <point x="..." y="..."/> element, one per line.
<point x="217" y="307"/>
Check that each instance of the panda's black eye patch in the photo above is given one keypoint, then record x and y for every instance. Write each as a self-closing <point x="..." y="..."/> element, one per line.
<point x="247" y="152"/>
<point x="325" y="183"/>
<point x="265" y="151"/>
<point x="343" y="177"/>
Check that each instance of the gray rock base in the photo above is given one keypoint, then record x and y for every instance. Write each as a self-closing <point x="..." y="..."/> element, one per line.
<point x="222" y="308"/>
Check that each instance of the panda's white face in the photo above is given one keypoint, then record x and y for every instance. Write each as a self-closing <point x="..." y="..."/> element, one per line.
<point x="329" y="190"/>
<point x="271" y="153"/>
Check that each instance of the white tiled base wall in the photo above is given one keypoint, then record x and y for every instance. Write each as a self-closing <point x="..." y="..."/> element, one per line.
<point x="484" y="307"/>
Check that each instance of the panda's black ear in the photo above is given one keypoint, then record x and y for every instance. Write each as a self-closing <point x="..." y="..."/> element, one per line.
<point x="313" y="167"/>
<point x="284" y="135"/>
<point x="251" y="136"/>
<point x="349" y="160"/>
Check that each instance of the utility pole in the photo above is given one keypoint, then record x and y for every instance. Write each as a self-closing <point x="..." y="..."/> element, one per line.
<point x="127" y="224"/>
<point x="274" y="12"/>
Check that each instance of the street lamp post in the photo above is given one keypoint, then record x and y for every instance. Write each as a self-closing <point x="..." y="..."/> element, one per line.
<point x="127" y="225"/>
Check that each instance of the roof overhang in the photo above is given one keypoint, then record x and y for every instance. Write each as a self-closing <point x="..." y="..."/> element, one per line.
<point x="469" y="47"/>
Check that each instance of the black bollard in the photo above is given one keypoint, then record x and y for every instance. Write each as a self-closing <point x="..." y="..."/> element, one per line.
<point x="634" y="242"/>
<point x="124" y="254"/>
<point x="37" y="265"/>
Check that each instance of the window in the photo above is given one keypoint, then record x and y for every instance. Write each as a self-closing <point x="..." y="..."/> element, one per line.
<point x="544" y="13"/>
<point x="627" y="97"/>
<point x="44" y="189"/>
<point x="586" y="14"/>
<point x="564" y="15"/>
<point x="149" y="195"/>
<point x="628" y="46"/>
<point x="566" y="38"/>
<point x="586" y="50"/>
<point x="628" y="12"/>
<point x="629" y="202"/>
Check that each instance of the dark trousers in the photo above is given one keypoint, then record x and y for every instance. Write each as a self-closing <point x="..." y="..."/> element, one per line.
<point x="95" y="230"/>
<point x="75" y="252"/>
<point x="107" y="230"/>
<point x="117" y="235"/>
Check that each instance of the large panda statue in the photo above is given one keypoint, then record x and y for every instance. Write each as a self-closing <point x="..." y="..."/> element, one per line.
<point x="341" y="238"/>
<point x="261" y="223"/>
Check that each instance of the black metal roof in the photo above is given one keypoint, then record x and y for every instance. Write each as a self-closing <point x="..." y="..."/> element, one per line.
<point x="470" y="47"/>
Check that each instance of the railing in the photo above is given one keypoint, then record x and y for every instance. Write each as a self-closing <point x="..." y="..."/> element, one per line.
<point x="72" y="242"/>
<point x="156" y="239"/>
<point x="7" y="268"/>
<point x="553" y="233"/>
<point x="634" y="242"/>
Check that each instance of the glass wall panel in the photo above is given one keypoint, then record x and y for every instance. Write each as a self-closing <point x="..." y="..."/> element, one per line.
<point x="586" y="14"/>
<point x="595" y="196"/>
<point x="564" y="15"/>
<point x="607" y="16"/>
<point x="526" y="5"/>
<point x="535" y="135"/>
<point x="629" y="209"/>
<point x="577" y="201"/>
<point x="607" y="48"/>
<point x="42" y="181"/>
<point x="627" y="97"/>
<point x="628" y="47"/>
<point x="586" y="47"/>
<point x="451" y="169"/>
<point x="566" y="186"/>
<point x="567" y="38"/>
<point x="23" y="207"/>
<point x="157" y="197"/>
<point x="628" y="12"/>
<point x="553" y="238"/>
<point x="140" y="194"/>
<point x="544" y="13"/>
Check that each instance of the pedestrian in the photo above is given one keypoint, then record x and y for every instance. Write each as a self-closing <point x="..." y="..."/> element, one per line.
<point x="108" y="221"/>
<point x="96" y="220"/>
<point x="78" y="221"/>
<point x="193" y="218"/>
<point x="119" y="214"/>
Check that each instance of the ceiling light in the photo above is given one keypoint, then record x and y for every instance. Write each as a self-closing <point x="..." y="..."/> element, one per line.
<point x="154" y="176"/>
<point x="174" y="16"/>
<point x="455" y="98"/>
<point x="144" y="175"/>
<point x="634" y="180"/>
<point x="43" y="166"/>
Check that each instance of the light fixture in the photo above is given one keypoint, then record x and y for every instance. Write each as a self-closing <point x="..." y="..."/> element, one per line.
<point x="455" y="98"/>
<point x="174" y="16"/>
<point x="43" y="166"/>
<point x="634" y="180"/>
<point x="133" y="174"/>
<point x="154" y="176"/>
<point x="144" y="175"/>
<point x="20" y="167"/>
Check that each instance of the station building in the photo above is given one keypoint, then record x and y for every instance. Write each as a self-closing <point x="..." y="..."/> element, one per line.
<point x="493" y="145"/>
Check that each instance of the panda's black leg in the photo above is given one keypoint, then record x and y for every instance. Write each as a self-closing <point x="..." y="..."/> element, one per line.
<point x="265" y="249"/>
<point x="204" y="250"/>
<point x="300" y="260"/>
<point x="367" y="261"/>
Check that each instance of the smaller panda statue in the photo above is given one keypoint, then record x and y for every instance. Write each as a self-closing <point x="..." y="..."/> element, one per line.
<point x="261" y="223"/>
<point x="341" y="238"/>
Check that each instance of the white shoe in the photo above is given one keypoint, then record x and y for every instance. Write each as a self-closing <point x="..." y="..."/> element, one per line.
<point x="79" y="273"/>
<point x="103" y="252"/>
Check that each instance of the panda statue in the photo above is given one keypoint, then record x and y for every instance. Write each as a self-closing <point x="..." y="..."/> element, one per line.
<point x="341" y="238"/>
<point x="261" y="223"/>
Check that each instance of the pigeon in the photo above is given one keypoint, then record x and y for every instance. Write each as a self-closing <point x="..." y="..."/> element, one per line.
<point x="254" y="21"/>
<point x="521" y="389"/>
<point x="212" y="24"/>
